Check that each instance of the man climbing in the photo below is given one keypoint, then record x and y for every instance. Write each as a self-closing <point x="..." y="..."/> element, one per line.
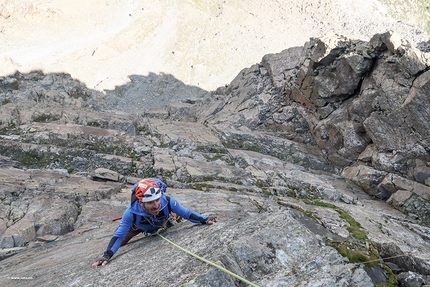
<point x="149" y="211"/>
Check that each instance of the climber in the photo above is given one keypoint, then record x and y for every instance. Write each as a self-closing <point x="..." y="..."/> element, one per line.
<point x="150" y="210"/>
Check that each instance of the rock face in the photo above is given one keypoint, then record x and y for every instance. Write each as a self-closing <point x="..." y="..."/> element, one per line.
<point x="316" y="161"/>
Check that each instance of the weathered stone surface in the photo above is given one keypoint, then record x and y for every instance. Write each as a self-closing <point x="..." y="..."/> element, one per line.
<point x="49" y="202"/>
<point x="406" y="195"/>
<point x="411" y="279"/>
<point x="294" y="155"/>
<point x="388" y="130"/>
<point x="368" y="179"/>
<point x="106" y="174"/>
<point x="273" y="244"/>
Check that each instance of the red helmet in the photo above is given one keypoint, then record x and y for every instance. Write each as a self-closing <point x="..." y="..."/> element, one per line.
<point x="147" y="190"/>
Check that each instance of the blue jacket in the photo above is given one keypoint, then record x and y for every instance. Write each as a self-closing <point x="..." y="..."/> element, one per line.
<point x="135" y="214"/>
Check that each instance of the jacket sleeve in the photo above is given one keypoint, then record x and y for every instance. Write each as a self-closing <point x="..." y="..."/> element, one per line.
<point x="120" y="233"/>
<point x="186" y="213"/>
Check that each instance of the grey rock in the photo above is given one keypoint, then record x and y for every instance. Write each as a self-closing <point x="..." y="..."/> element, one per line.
<point x="298" y="154"/>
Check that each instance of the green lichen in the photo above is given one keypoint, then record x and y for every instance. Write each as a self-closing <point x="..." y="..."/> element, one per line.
<point x="260" y="184"/>
<point x="212" y="149"/>
<point x="243" y="144"/>
<point x="8" y="128"/>
<point x="6" y="101"/>
<point x="93" y="124"/>
<point x="166" y="144"/>
<point x="356" y="253"/>
<point x="320" y="203"/>
<point x="143" y="130"/>
<point x="32" y="158"/>
<point x="359" y="249"/>
<point x="354" y="228"/>
<point x="202" y="186"/>
<point x="304" y="191"/>
<point x="391" y="280"/>
<point x="45" y="118"/>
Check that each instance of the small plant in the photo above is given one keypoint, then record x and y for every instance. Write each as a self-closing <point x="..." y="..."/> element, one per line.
<point x="320" y="203"/>
<point x="391" y="280"/>
<point x="32" y="158"/>
<point x="6" y="101"/>
<point x="45" y="118"/>
<point x="7" y="128"/>
<point x="120" y="91"/>
<point x="167" y="174"/>
<point x="212" y="149"/>
<point x="352" y="249"/>
<point x="166" y="145"/>
<point x="208" y="178"/>
<point x="260" y="184"/>
<point x="354" y="227"/>
<point x="356" y="253"/>
<point x="93" y="124"/>
<point x="143" y="130"/>
<point x="203" y="186"/>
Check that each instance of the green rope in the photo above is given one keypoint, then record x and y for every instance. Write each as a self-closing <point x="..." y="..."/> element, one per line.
<point x="210" y="263"/>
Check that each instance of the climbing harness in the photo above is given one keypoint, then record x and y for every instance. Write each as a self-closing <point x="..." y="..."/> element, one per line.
<point x="169" y="222"/>
<point x="209" y="262"/>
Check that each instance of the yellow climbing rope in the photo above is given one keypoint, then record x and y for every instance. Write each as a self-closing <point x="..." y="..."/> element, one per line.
<point x="210" y="263"/>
